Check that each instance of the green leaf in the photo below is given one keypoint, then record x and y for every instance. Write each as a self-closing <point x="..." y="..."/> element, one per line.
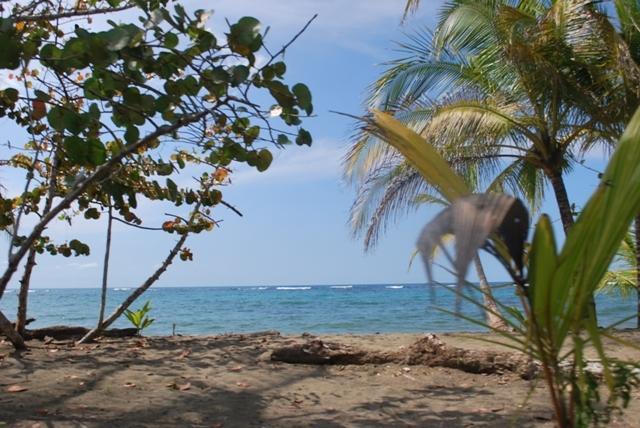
<point x="283" y="139"/>
<point x="423" y="156"/>
<point x="131" y="135"/>
<point x="56" y="118"/>
<point x="264" y="160"/>
<point x="251" y="134"/>
<point x="92" y="213"/>
<point x="170" y="40"/>
<point x="173" y="189"/>
<point x="77" y="150"/>
<point x="96" y="153"/>
<point x="11" y="94"/>
<point x="542" y="264"/>
<point x="244" y="37"/>
<point x="90" y="152"/>
<point x="304" y="137"/>
<point x="303" y="95"/>
<point x="239" y="74"/>
<point x="10" y="51"/>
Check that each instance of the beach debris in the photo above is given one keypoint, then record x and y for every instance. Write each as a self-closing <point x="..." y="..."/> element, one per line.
<point x="129" y="385"/>
<point x="16" y="388"/>
<point x="427" y="351"/>
<point x="63" y="332"/>
<point x="179" y="387"/>
<point x="185" y="353"/>
<point x="242" y="384"/>
<point x="236" y="369"/>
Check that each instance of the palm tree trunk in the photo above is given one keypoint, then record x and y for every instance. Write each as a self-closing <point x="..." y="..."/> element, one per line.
<point x="562" y="198"/>
<point x="105" y="268"/>
<point x="637" y="227"/>
<point x="492" y="312"/>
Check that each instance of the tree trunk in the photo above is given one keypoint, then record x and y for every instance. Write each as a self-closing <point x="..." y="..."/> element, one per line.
<point x="427" y="351"/>
<point x="7" y="329"/>
<point x="25" y="281"/>
<point x="101" y="173"/>
<point x="562" y="198"/>
<point x="105" y="268"/>
<point x="23" y="296"/>
<point x="136" y="293"/>
<point x="492" y="313"/>
<point x="637" y="243"/>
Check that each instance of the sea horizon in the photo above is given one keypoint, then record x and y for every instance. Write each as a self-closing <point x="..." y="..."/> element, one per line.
<point x="290" y="309"/>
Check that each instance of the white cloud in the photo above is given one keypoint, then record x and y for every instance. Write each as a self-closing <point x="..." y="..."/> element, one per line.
<point x="79" y="265"/>
<point x="339" y="22"/>
<point x="320" y="161"/>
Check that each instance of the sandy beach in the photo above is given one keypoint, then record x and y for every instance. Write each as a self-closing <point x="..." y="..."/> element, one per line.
<point x="230" y="381"/>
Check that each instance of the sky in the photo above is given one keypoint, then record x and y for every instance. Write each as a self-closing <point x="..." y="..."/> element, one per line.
<point x="294" y="229"/>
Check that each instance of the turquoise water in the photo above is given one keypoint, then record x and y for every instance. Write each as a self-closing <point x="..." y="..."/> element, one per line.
<point x="391" y="308"/>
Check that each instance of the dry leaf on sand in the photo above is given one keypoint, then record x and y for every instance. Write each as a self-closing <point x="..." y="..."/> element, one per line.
<point x="16" y="388"/>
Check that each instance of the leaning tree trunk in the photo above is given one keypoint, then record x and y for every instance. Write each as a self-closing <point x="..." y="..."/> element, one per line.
<point x="105" y="268"/>
<point x="136" y="293"/>
<point x="23" y="295"/>
<point x="7" y="329"/>
<point x="562" y="198"/>
<point x="492" y="313"/>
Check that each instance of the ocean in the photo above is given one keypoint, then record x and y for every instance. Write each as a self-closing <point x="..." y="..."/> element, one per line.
<point x="383" y="308"/>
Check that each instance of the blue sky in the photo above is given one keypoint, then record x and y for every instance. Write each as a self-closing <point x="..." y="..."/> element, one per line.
<point x="294" y="229"/>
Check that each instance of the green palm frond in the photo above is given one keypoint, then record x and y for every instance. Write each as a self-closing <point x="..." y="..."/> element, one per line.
<point x="622" y="276"/>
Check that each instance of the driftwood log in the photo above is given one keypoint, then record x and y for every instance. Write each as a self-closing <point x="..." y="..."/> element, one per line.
<point x="63" y="332"/>
<point x="427" y="351"/>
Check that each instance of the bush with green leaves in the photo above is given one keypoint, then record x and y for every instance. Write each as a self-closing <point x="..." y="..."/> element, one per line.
<point x="555" y="285"/>
<point x="139" y="317"/>
<point x="111" y="117"/>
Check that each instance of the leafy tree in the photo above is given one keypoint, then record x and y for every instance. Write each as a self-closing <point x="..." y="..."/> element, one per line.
<point x="112" y="116"/>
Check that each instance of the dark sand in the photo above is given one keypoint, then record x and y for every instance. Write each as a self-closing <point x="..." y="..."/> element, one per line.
<point x="229" y="381"/>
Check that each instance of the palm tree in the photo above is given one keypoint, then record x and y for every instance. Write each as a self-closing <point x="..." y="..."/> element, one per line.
<point x="490" y="82"/>
<point x="490" y="86"/>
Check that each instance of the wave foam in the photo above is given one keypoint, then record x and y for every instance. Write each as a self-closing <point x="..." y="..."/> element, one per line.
<point x="395" y="287"/>
<point x="293" y="288"/>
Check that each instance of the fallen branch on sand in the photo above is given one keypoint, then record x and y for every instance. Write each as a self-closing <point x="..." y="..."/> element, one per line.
<point x="427" y="351"/>
<point x="64" y="332"/>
